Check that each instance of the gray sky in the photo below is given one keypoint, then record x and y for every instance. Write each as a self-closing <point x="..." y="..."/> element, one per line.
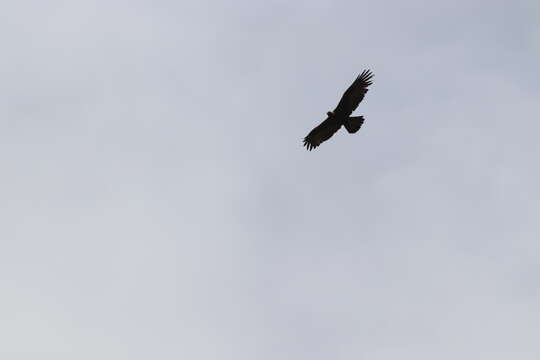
<point x="157" y="202"/>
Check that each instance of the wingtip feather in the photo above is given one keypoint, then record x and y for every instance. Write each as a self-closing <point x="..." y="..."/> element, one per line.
<point x="365" y="78"/>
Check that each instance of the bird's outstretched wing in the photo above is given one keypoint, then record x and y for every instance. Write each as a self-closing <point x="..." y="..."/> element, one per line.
<point x="321" y="133"/>
<point x="354" y="94"/>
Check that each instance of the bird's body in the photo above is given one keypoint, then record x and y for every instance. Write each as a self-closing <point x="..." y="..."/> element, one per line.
<point x="341" y="114"/>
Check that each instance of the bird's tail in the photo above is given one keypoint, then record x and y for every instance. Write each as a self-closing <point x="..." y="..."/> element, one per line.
<point x="353" y="123"/>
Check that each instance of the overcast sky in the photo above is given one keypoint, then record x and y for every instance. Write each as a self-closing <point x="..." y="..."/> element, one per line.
<point x="157" y="203"/>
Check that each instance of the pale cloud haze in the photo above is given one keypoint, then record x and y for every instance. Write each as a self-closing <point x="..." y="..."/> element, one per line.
<point x="157" y="202"/>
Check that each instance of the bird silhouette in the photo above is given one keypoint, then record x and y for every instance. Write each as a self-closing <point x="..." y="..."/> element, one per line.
<point x="341" y="116"/>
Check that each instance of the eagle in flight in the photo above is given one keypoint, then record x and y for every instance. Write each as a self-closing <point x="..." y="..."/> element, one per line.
<point x="342" y="113"/>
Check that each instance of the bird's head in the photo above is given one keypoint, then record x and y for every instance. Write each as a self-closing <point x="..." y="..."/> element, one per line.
<point x="330" y="114"/>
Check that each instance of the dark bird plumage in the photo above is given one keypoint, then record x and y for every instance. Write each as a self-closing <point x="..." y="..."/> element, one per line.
<point x="341" y="116"/>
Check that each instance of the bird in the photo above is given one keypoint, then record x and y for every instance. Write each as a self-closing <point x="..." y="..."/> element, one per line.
<point x="341" y="116"/>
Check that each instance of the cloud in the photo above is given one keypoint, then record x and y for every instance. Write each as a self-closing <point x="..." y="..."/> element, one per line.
<point x="157" y="201"/>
